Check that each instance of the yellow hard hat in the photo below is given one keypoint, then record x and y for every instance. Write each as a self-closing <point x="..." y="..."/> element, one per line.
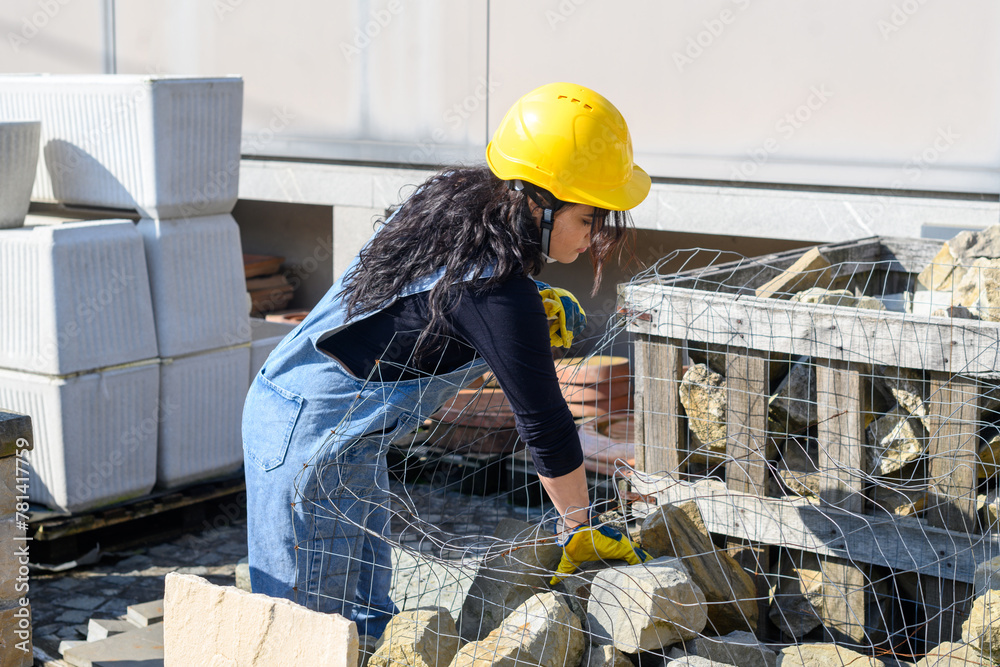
<point x="574" y="143"/>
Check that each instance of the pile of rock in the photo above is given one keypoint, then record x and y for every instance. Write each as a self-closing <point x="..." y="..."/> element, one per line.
<point x="963" y="280"/>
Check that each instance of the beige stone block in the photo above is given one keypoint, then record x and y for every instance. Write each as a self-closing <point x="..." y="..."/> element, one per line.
<point x="417" y="638"/>
<point x="542" y="631"/>
<point x="952" y="654"/>
<point x="982" y="628"/>
<point x="815" y="655"/>
<point x="205" y="624"/>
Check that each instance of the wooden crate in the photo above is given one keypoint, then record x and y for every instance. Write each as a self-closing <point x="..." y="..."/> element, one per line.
<point x="716" y="308"/>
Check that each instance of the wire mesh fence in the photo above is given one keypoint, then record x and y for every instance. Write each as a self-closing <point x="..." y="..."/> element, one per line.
<point x="806" y="443"/>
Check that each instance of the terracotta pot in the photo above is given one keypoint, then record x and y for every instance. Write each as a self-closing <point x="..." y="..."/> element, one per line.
<point x="592" y="370"/>
<point x="608" y="443"/>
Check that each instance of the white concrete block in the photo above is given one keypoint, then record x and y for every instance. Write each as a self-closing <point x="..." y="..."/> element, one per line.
<point x="18" y="162"/>
<point x="202" y="397"/>
<point x="197" y="282"/>
<point x="166" y="146"/>
<point x="95" y="434"/>
<point x="205" y="624"/>
<point x="74" y="297"/>
<point x="265" y="336"/>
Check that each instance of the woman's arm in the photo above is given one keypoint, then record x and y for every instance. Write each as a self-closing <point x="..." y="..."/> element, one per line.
<point x="570" y="496"/>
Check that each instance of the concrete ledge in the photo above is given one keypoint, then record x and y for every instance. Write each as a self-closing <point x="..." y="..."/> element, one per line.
<point x="758" y="212"/>
<point x="205" y="624"/>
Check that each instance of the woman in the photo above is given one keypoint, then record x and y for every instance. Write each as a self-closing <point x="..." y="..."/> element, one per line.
<point x="441" y="294"/>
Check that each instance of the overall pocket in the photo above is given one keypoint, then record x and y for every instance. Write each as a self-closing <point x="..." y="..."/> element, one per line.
<point x="269" y="417"/>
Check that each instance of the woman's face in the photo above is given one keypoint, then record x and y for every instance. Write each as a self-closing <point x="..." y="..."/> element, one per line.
<point x="570" y="231"/>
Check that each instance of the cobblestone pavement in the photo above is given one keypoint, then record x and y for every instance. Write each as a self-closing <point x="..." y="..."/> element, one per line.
<point x="432" y="526"/>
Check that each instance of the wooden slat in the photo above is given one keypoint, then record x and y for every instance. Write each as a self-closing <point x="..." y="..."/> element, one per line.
<point x="902" y="543"/>
<point x="971" y="347"/>
<point x="747" y="393"/>
<point x="953" y="413"/>
<point x="659" y="416"/>
<point x="840" y="409"/>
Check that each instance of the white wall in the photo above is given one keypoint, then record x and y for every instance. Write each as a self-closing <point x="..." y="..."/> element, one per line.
<point x="895" y="95"/>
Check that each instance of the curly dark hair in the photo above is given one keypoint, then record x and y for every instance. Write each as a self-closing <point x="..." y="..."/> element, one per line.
<point x="463" y="219"/>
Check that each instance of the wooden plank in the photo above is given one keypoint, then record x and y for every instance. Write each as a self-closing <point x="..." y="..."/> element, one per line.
<point x="659" y="414"/>
<point x="971" y="347"/>
<point x="841" y="405"/>
<point x="902" y="543"/>
<point x="807" y="271"/>
<point x="747" y="392"/>
<point x="953" y="414"/>
<point x="840" y="409"/>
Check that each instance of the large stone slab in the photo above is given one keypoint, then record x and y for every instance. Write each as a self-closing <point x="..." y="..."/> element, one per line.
<point x="606" y="656"/>
<point x="140" y="646"/>
<point x="793" y="405"/>
<point x="953" y="654"/>
<point x="730" y="593"/>
<point x="982" y="628"/>
<point x="418" y="638"/>
<point x="824" y="655"/>
<point x="205" y="624"/>
<point x="736" y="648"/>
<point x="543" y="631"/>
<point x="527" y="556"/>
<point x="979" y="289"/>
<point x="646" y="606"/>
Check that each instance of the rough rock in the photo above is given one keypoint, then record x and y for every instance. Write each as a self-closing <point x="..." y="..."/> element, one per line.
<point x="955" y="312"/>
<point x="205" y="624"/>
<point x="979" y="289"/>
<point x="646" y="606"/>
<point x="736" y="648"/>
<point x="418" y="638"/>
<point x="949" y="266"/>
<point x="895" y="440"/>
<point x="809" y="269"/>
<point x="542" y="631"/>
<point x="824" y="655"/>
<point x="869" y="303"/>
<point x="505" y="581"/>
<point x="982" y="628"/>
<point x="827" y="297"/>
<point x="793" y="404"/>
<point x="703" y="395"/>
<point x="988" y="506"/>
<point x="243" y="575"/>
<point x="694" y="661"/>
<point x="798" y="471"/>
<point x="989" y="458"/>
<point x="800" y="591"/>
<point x="730" y="593"/>
<point x="899" y="500"/>
<point x="606" y="656"/>
<point x="907" y="387"/>
<point x="953" y="654"/>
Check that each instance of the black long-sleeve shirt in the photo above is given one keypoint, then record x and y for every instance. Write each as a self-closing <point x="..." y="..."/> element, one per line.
<point x="507" y="327"/>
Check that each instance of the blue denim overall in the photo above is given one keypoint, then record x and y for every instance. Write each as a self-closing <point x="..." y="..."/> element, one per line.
<point x="314" y="441"/>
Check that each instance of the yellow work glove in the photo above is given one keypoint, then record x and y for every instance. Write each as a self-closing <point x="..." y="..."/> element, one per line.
<point x="564" y="313"/>
<point x="594" y="541"/>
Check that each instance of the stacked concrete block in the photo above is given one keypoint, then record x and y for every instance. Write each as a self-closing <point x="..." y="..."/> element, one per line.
<point x="15" y="609"/>
<point x="18" y="160"/>
<point x="78" y="354"/>
<point x="203" y="333"/>
<point x="166" y="146"/>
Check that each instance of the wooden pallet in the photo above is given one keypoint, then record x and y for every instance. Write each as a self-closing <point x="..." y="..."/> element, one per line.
<point x="716" y="308"/>
<point x="154" y="517"/>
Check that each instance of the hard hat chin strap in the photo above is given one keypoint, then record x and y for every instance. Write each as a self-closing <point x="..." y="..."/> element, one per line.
<point x="546" y="201"/>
